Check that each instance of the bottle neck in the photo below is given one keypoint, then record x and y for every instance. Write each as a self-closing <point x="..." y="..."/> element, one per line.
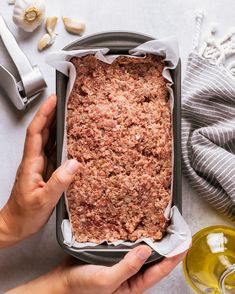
<point x="227" y="280"/>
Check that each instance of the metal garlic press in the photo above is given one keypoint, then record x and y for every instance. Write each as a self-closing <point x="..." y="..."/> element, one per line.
<point x="31" y="82"/>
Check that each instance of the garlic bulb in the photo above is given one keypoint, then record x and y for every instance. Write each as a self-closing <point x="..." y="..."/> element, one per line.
<point x="74" y="26"/>
<point x="29" y="14"/>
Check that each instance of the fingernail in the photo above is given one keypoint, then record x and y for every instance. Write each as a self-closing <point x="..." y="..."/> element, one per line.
<point x="144" y="253"/>
<point x="71" y="166"/>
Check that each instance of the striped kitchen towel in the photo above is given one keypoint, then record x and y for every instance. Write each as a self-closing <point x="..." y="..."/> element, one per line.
<point x="208" y="121"/>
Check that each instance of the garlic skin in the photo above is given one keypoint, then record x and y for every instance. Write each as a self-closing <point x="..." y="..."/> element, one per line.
<point x="46" y="41"/>
<point x="29" y="14"/>
<point x="74" y="26"/>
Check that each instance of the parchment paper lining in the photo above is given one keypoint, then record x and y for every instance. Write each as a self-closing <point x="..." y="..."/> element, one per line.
<point x="178" y="236"/>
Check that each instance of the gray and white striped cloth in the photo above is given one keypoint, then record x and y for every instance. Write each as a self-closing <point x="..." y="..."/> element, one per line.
<point x="208" y="129"/>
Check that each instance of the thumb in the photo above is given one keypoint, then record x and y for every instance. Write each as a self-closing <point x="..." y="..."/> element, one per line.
<point x="61" y="179"/>
<point x="129" y="266"/>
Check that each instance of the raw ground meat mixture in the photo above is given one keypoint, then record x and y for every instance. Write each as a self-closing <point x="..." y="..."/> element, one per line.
<point x="119" y="128"/>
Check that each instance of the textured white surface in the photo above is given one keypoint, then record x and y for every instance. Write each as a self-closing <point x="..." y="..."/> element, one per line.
<point x="157" y="18"/>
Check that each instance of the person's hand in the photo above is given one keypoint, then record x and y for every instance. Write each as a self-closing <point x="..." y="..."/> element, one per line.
<point x="122" y="278"/>
<point x="33" y="197"/>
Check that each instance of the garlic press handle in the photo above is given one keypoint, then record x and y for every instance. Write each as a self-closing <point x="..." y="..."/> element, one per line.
<point x="31" y="77"/>
<point x="12" y="88"/>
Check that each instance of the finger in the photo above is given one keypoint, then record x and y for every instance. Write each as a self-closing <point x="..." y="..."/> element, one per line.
<point x="155" y="273"/>
<point x="60" y="180"/>
<point x="44" y="115"/>
<point x="51" y="116"/>
<point x="128" y="266"/>
<point x="34" y="141"/>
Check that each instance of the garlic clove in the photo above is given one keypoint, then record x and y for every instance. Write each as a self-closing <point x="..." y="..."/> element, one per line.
<point x="29" y="14"/>
<point x="74" y="26"/>
<point x="46" y="41"/>
<point x="50" y="24"/>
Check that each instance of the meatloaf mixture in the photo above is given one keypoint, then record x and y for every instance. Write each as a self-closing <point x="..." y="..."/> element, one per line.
<point x="119" y="129"/>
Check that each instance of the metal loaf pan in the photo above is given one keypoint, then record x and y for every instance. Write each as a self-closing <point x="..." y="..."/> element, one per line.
<point x="118" y="43"/>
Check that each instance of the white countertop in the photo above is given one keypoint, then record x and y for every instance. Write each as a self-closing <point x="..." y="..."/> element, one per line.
<point x="157" y="18"/>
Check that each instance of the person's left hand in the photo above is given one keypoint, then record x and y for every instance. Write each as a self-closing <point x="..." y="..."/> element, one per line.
<point x="33" y="197"/>
<point x="124" y="277"/>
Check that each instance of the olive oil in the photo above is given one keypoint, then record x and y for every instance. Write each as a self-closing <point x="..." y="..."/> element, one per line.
<point x="210" y="263"/>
